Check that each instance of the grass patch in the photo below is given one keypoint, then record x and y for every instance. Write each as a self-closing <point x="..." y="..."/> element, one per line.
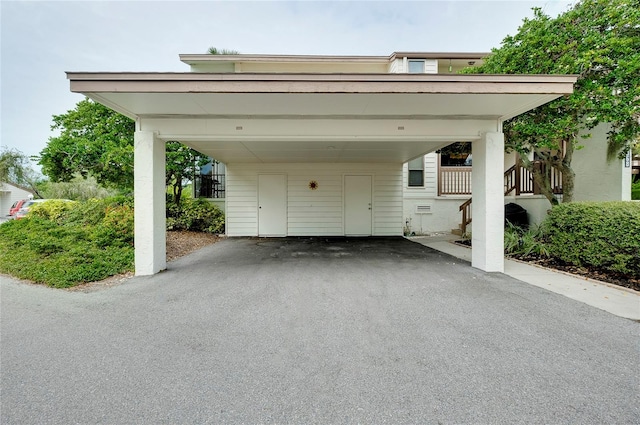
<point x="59" y="247"/>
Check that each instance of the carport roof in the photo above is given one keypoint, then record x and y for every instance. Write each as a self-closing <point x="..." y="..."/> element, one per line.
<point x="277" y="107"/>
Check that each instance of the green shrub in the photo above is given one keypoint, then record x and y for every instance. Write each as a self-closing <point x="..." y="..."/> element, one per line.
<point x="63" y="247"/>
<point x="635" y="191"/>
<point x="53" y="209"/>
<point x="600" y="234"/>
<point x="63" y="244"/>
<point x="525" y="243"/>
<point x="195" y="214"/>
<point x="116" y="228"/>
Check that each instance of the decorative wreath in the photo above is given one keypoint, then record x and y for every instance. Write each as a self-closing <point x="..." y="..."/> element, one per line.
<point x="313" y="185"/>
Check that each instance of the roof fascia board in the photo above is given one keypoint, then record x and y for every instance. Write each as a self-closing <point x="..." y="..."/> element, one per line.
<point x="320" y="83"/>
<point x="363" y="77"/>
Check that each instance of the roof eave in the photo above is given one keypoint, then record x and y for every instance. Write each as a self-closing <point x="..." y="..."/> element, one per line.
<point x="319" y="83"/>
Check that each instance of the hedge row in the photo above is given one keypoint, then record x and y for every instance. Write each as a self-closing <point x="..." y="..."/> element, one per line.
<point x="601" y="234"/>
<point x="65" y="243"/>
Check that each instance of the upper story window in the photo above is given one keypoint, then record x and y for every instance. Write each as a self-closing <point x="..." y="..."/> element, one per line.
<point x="416" y="66"/>
<point x="416" y="172"/>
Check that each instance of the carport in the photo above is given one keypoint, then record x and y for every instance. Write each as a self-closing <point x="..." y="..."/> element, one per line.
<point x="341" y="122"/>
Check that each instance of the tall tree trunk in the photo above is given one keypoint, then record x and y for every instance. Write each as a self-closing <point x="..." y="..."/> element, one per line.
<point x="175" y="181"/>
<point x="177" y="190"/>
<point x="541" y="177"/>
<point x="568" y="175"/>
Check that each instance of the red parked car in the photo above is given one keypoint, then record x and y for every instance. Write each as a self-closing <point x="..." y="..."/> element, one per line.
<point x="15" y="207"/>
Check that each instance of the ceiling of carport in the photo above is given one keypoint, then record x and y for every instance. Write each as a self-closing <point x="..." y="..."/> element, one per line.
<point x="318" y="118"/>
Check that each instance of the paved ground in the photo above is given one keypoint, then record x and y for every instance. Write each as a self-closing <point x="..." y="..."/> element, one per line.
<point x="314" y="331"/>
<point x="618" y="300"/>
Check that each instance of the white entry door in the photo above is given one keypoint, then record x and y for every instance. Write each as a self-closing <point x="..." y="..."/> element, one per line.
<point x="272" y="205"/>
<point x="357" y="205"/>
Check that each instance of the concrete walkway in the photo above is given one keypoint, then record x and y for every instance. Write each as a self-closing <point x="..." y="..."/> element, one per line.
<point x="614" y="299"/>
<point x="314" y="331"/>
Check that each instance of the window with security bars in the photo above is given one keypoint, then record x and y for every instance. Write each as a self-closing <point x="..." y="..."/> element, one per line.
<point x="209" y="182"/>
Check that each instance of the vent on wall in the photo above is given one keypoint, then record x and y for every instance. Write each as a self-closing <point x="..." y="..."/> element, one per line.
<point x="423" y="209"/>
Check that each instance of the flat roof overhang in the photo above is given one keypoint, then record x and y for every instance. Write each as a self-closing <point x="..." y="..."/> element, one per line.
<point x="242" y="117"/>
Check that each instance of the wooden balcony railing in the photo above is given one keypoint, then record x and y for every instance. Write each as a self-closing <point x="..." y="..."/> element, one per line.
<point x="466" y="215"/>
<point x="457" y="180"/>
<point x="454" y="181"/>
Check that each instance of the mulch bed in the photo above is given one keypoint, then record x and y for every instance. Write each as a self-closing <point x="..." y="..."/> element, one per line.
<point x="619" y="279"/>
<point x="183" y="242"/>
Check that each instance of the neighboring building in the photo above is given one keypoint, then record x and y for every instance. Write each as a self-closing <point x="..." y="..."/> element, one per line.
<point x="10" y="193"/>
<point x="315" y="145"/>
<point x="598" y="179"/>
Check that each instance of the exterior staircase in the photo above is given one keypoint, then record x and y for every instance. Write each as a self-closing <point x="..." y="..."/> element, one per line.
<point x="516" y="179"/>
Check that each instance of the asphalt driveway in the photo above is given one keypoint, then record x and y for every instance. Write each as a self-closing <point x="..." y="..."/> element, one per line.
<point x="314" y="331"/>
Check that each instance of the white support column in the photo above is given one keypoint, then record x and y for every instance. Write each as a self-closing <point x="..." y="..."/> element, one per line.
<point x="149" y="193"/>
<point x="487" y="181"/>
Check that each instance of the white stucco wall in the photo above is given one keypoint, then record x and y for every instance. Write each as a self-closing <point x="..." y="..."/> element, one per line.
<point x="537" y="206"/>
<point x="314" y="212"/>
<point x="596" y="178"/>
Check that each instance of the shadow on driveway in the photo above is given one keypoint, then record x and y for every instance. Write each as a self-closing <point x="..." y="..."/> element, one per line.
<point x="314" y="330"/>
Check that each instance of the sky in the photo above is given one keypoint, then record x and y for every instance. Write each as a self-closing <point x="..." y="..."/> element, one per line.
<point x="41" y="40"/>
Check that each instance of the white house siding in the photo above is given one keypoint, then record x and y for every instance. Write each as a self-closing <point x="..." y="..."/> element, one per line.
<point x="431" y="66"/>
<point x="425" y="212"/>
<point x="10" y="194"/>
<point x="241" y="200"/>
<point x="398" y="66"/>
<point x="314" y="212"/>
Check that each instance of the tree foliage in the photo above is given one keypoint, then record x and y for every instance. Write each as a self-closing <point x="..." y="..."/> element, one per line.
<point x="15" y="168"/>
<point x="98" y="142"/>
<point x="78" y="189"/>
<point x="216" y="51"/>
<point x="597" y="40"/>
<point x="182" y="163"/>
<point x="94" y="141"/>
